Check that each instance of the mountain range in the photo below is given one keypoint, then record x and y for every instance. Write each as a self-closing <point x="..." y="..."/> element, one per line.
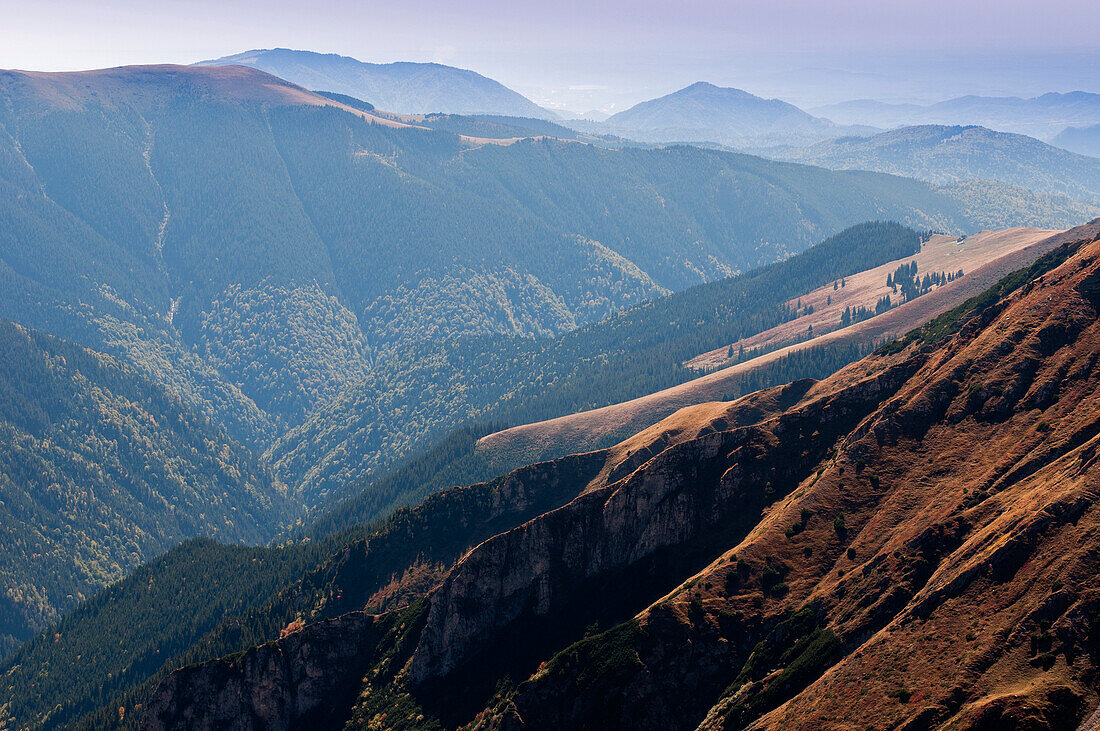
<point x="951" y="154"/>
<point x="336" y="289"/>
<point x="1043" y="116"/>
<point x="704" y="112"/>
<point x="404" y="87"/>
<point x="254" y="335"/>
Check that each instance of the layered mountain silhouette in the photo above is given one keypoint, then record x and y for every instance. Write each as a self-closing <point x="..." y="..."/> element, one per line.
<point x="204" y="217"/>
<point x="411" y="88"/>
<point x="1041" y="116"/>
<point x="257" y="313"/>
<point x="1084" y="140"/>
<point x="951" y="154"/>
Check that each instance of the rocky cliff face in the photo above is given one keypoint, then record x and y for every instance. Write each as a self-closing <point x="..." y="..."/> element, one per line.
<point x="302" y="680"/>
<point x="910" y="543"/>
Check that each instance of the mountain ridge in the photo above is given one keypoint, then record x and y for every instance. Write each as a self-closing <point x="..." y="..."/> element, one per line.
<point x="403" y="86"/>
<point x="944" y="154"/>
<point x="1042" y="116"/>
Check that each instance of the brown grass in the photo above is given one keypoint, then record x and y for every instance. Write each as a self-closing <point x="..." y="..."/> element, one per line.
<point x="1003" y="252"/>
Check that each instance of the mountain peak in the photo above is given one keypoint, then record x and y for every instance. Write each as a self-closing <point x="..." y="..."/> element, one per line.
<point x="706" y="112"/>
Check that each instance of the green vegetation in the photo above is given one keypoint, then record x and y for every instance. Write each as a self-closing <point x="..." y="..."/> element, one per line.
<point x="839" y="527"/>
<point x="797" y="645"/>
<point x="101" y="470"/>
<point x="258" y="593"/>
<point x="126" y="634"/>
<point x="452" y="461"/>
<point x="337" y="296"/>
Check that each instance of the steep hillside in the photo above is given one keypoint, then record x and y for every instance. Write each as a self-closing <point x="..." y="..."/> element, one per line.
<point x="910" y="541"/>
<point x="411" y="88"/>
<point x="949" y="154"/>
<point x="988" y="255"/>
<point x="790" y="347"/>
<point x="100" y="470"/>
<point x="1042" y="116"/>
<point x="705" y="112"/>
<point x="1082" y="140"/>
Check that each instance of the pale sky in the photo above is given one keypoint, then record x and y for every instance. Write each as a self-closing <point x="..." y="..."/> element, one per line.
<point x="592" y="54"/>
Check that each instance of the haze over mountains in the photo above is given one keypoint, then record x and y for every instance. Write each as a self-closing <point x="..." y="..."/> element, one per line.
<point x="1085" y="140"/>
<point x="705" y="112"/>
<point x="412" y="88"/>
<point x="949" y="154"/>
<point x="291" y="300"/>
<point x="1042" y="116"/>
<point x="330" y="286"/>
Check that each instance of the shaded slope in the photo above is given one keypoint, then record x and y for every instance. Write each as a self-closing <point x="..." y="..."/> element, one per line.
<point x="204" y="195"/>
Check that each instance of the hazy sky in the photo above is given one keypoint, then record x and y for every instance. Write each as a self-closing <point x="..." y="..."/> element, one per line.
<point x="596" y="54"/>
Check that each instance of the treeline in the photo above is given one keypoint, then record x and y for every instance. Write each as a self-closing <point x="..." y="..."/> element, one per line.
<point x="642" y="350"/>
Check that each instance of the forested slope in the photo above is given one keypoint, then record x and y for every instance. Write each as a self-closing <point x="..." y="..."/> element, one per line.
<point x="336" y="290"/>
<point x="100" y="470"/>
<point x="741" y="562"/>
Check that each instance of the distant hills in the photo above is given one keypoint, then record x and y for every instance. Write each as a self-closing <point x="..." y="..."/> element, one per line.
<point x="1084" y="140"/>
<point x="413" y="88"/>
<point x="705" y="112"/>
<point x="944" y="154"/>
<point x="1042" y="116"/>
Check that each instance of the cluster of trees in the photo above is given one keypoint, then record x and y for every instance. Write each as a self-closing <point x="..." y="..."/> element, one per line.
<point x="911" y="285"/>
<point x="127" y="634"/>
<point x="904" y="281"/>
